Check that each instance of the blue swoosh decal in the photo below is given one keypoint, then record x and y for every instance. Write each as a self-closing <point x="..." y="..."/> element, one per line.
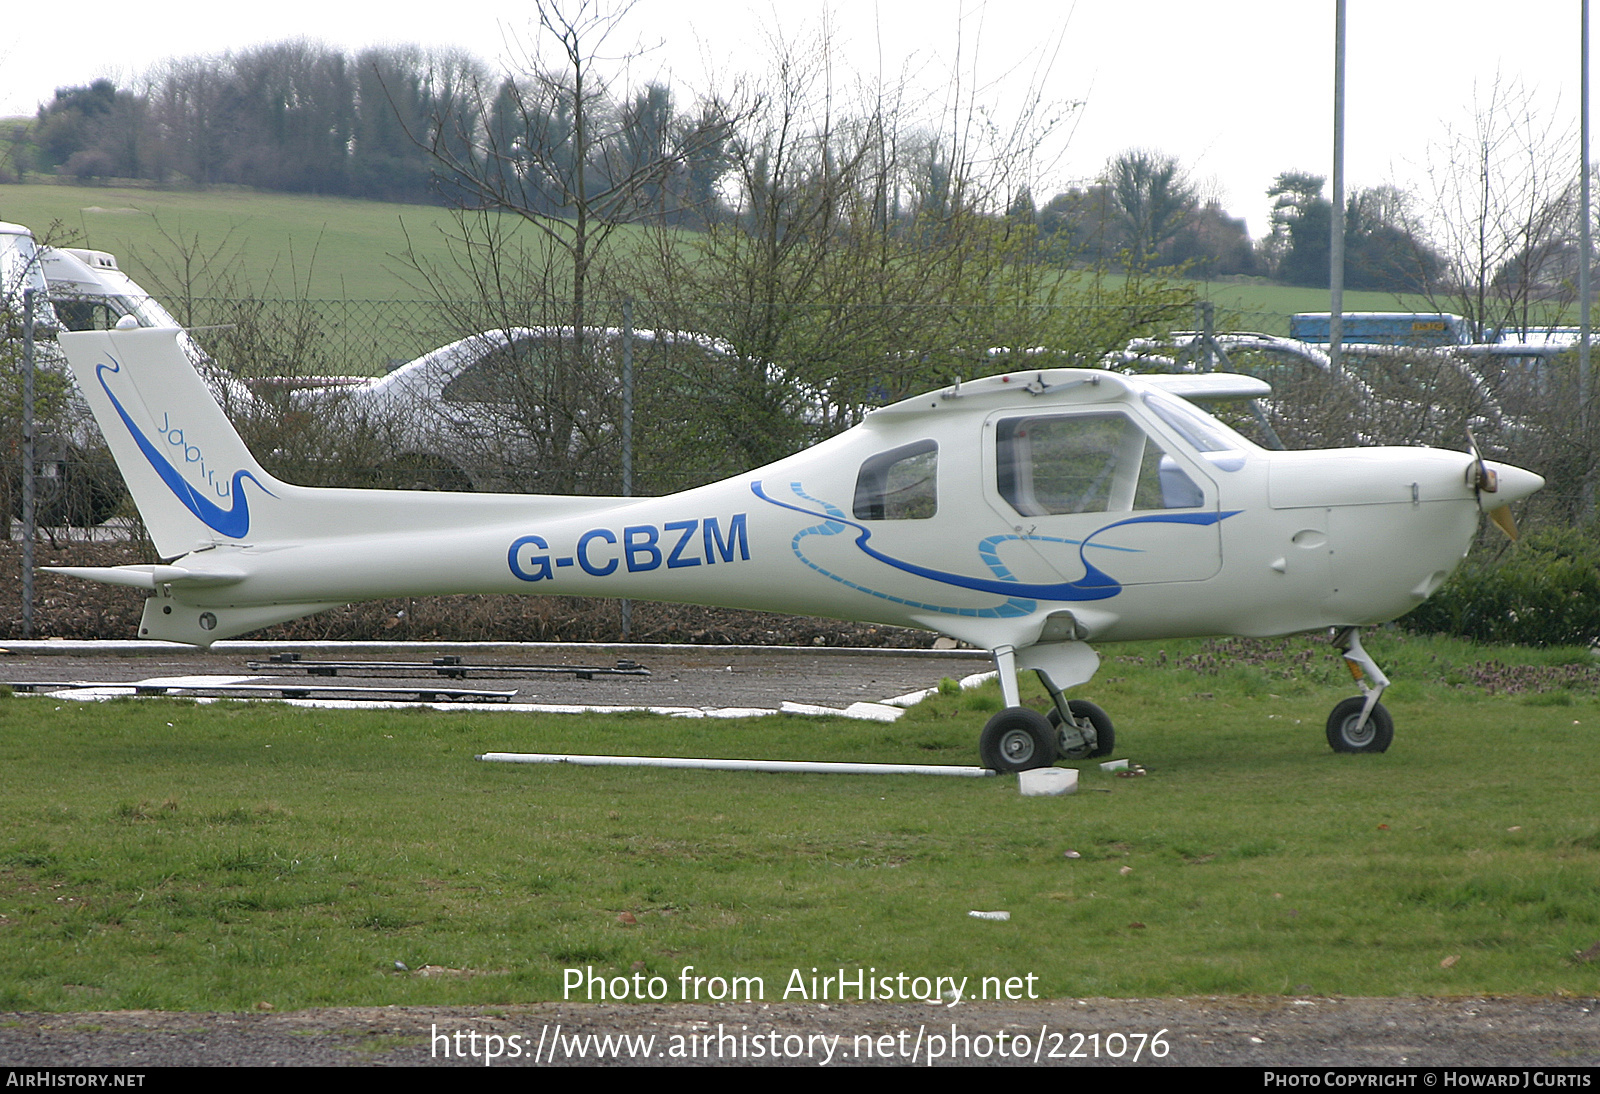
<point x="1012" y="608"/>
<point x="1095" y="584"/>
<point x="233" y="523"/>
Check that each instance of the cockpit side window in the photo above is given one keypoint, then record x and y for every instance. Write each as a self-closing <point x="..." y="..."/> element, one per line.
<point x="1087" y="463"/>
<point x="900" y="484"/>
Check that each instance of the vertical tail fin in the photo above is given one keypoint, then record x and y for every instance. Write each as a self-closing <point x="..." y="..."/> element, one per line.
<point x="189" y="472"/>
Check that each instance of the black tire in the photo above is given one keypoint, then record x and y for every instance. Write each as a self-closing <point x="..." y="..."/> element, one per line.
<point x="1373" y="737"/>
<point x="1017" y="739"/>
<point x="1104" y="732"/>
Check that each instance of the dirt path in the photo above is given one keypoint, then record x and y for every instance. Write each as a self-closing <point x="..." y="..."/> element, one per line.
<point x="1310" y="1032"/>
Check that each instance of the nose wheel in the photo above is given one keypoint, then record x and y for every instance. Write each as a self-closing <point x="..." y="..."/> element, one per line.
<point x="1348" y="731"/>
<point x="1360" y="723"/>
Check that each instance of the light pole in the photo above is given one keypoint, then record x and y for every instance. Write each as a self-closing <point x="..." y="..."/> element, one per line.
<point x="1585" y="388"/>
<point x="1336" y="231"/>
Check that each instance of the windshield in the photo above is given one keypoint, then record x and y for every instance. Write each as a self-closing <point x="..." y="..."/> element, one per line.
<point x="1222" y="446"/>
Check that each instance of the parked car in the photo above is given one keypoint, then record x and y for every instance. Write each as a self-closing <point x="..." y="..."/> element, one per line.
<point x="1382" y="394"/>
<point x="89" y="291"/>
<point x="533" y="409"/>
<point x="74" y="480"/>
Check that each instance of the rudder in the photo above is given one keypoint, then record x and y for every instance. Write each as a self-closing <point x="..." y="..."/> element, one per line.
<point x="188" y="470"/>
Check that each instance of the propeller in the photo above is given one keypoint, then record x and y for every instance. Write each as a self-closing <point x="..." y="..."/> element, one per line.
<point x="1485" y="480"/>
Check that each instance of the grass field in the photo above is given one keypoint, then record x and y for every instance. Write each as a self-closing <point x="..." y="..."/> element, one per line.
<point x="1258" y="305"/>
<point x="338" y="248"/>
<point x="160" y="854"/>
<point x="283" y="244"/>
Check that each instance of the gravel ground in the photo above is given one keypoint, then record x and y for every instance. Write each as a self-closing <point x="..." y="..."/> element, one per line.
<point x="1311" y="1032"/>
<point x="690" y="676"/>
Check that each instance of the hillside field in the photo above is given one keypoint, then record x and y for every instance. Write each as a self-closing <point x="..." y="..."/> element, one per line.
<point x="285" y="245"/>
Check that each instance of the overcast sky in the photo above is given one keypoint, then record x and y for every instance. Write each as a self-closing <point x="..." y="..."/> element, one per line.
<point x="1239" y="90"/>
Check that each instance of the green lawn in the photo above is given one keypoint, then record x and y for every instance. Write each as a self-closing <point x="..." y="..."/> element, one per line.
<point x="1258" y="305"/>
<point x="157" y="853"/>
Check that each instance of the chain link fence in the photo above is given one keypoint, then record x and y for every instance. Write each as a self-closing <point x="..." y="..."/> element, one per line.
<point x="649" y="397"/>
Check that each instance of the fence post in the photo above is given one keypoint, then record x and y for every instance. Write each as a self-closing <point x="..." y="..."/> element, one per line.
<point x="1585" y="388"/>
<point x="28" y="463"/>
<point x="627" y="435"/>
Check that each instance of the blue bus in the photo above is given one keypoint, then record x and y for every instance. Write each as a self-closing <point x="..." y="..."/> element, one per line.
<point x="1384" y="328"/>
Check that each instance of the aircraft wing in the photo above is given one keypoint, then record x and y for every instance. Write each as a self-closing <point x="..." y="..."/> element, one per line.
<point x="1209" y="385"/>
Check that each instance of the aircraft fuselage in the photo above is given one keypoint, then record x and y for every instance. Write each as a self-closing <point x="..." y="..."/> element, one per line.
<point x="1122" y="513"/>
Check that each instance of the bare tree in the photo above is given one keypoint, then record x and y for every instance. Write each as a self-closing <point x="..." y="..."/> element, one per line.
<point x="546" y="166"/>
<point x="871" y="255"/>
<point x="550" y="144"/>
<point x="802" y="265"/>
<point x="1501" y="207"/>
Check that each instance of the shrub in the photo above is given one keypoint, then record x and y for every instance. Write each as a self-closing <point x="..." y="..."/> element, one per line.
<point x="1544" y="591"/>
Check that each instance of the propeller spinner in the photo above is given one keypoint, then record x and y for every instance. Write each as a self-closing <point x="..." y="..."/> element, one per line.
<point x="1486" y="480"/>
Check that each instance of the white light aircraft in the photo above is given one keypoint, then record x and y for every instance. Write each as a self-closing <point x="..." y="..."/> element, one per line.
<point x="1030" y="514"/>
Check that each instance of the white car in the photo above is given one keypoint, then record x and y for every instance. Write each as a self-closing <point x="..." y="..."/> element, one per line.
<point x="524" y="409"/>
<point x="75" y="481"/>
<point x="1399" y="394"/>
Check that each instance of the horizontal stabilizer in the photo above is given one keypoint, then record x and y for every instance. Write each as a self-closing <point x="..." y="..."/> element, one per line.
<point x="148" y="577"/>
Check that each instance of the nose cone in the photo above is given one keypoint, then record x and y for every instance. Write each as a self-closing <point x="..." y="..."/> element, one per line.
<point x="1513" y="484"/>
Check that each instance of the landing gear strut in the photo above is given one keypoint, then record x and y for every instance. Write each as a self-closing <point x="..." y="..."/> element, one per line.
<point x="1088" y="733"/>
<point x="1018" y="739"/>
<point x="1360" y="723"/>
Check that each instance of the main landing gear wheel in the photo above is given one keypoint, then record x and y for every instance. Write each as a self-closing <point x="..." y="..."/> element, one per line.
<point x="1017" y="739"/>
<point x="1375" y="736"/>
<point x="1104" y="732"/>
